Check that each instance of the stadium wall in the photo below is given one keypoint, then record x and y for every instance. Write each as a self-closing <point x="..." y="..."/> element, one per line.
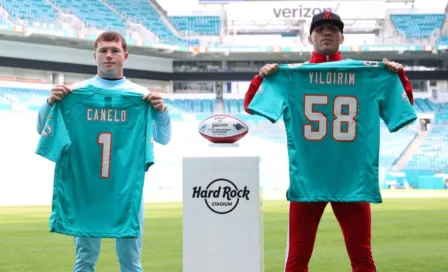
<point x="35" y="51"/>
<point x="41" y="79"/>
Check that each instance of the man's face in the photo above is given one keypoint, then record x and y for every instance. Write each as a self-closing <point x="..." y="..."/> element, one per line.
<point x="110" y="58"/>
<point x="326" y="39"/>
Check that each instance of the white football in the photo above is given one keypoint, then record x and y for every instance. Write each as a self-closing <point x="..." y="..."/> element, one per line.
<point x="223" y="128"/>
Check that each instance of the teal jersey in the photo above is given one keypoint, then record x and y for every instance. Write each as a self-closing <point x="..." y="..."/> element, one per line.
<point x="331" y="113"/>
<point x="102" y="143"/>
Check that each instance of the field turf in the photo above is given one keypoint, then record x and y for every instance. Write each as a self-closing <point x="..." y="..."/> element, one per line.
<point x="409" y="235"/>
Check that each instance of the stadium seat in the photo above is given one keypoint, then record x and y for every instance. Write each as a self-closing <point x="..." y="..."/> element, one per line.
<point x="193" y="105"/>
<point x="233" y="105"/>
<point x="441" y="118"/>
<point x="29" y="10"/>
<point x="142" y="12"/>
<point x="22" y="95"/>
<point x="417" y="26"/>
<point x="443" y="40"/>
<point x="38" y="97"/>
<point x="94" y="14"/>
<point x="197" y="25"/>
<point x="392" y="145"/>
<point x="433" y="153"/>
<point x="425" y="105"/>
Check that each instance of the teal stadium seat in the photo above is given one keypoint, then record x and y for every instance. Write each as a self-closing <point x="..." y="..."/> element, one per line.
<point x="440" y="110"/>
<point x="424" y="105"/>
<point x="142" y="12"/>
<point x="433" y="153"/>
<point x="441" y="118"/>
<point x="30" y="10"/>
<point x="196" y="105"/>
<point x="233" y="105"/>
<point x="443" y="40"/>
<point x="417" y="26"/>
<point x="94" y="13"/>
<point x="197" y="25"/>
<point x="393" y="145"/>
<point x="23" y="95"/>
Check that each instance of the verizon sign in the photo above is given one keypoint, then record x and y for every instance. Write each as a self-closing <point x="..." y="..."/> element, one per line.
<point x="304" y="10"/>
<point x="297" y="13"/>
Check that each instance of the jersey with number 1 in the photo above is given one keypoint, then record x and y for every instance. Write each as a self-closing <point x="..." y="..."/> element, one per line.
<point x="102" y="143"/>
<point x="332" y="117"/>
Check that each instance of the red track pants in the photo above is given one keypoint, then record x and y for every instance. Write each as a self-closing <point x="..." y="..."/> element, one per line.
<point x="355" y="222"/>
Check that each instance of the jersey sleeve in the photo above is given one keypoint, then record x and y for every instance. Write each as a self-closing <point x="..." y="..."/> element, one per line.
<point x="152" y="115"/>
<point x="394" y="106"/>
<point x="271" y="98"/>
<point x="54" y="139"/>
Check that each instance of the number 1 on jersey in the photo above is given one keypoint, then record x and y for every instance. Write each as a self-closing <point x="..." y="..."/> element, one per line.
<point x="105" y="139"/>
<point x="338" y="132"/>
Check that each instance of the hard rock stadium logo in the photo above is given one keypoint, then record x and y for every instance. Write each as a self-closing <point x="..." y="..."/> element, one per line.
<point x="221" y="195"/>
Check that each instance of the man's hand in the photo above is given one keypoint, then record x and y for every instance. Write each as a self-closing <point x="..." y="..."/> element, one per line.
<point x="392" y="65"/>
<point x="156" y="100"/>
<point x="57" y="93"/>
<point x="268" y="69"/>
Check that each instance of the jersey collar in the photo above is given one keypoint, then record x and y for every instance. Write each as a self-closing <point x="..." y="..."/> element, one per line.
<point x="318" y="58"/>
<point x="109" y="83"/>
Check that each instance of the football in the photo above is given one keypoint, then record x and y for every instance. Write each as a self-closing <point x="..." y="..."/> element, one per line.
<point x="223" y="128"/>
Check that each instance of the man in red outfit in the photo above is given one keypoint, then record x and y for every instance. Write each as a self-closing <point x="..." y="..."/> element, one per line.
<point x="304" y="217"/>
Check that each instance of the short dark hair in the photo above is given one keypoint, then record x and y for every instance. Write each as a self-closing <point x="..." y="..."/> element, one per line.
<point x="112" y="36"/>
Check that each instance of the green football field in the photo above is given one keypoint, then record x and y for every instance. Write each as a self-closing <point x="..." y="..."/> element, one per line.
<point x="409" y="235"/>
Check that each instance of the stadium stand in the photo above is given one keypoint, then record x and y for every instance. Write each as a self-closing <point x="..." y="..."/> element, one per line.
<point x="417" y="26"/>
<point x="394" y="144"/>
<point x="430" y="161"/>
<point x="432" y="154"/>
<point x="28" y="96"/>
<point x="425" y="105"/>
<point x="142" y="12"/>
<point x="111" y="15"/>
<point x="93" y="13"/>
<point x="441" y="117"/>
<point x="194" y="105"/>
<point x="442" y="40"/>
<point x="117" y="15"/>
<point x="233" y="105"/>
<point x="430" y="158"/>
<point x="121" y="16"/>
<point x="29" y="11"/>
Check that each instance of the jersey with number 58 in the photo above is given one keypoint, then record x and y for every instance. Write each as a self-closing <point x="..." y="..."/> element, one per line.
<point x="332" y="117"/>
<point x="101" y="141"/>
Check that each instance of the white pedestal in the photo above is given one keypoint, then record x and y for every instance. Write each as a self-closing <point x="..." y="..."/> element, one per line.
<point x="222" y="216"/>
